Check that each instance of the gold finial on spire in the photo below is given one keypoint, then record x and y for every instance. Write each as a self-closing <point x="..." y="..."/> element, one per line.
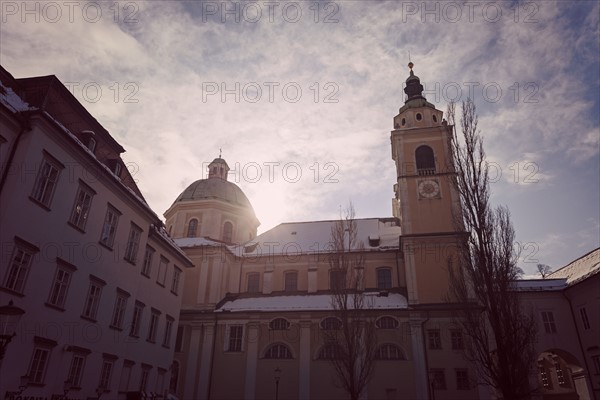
<point x="220" y="151"/>
<point x="411" y="65"/>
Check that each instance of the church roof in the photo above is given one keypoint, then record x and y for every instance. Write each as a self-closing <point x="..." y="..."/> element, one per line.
<point x="376" y="234"/>
<point x="580" y="269"/>
<point x="215" y="188"/>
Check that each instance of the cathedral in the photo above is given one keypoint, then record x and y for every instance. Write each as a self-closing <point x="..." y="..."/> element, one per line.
<point x="259" y="304"/>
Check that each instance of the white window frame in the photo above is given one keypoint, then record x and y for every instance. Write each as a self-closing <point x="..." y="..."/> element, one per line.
<point x="227" y="342"/>
<point x="76" y="369"/>
<point x="175" y="280"/>
<point x="16" y="275"/>
<point x="148" y="258"/>
<point x="82" y="206"/>
<point x="109" y="227"/>
<point x="119" y="309"/>
<point x="39" y="374"/>
<point x="163" y="265"/>
<point x="46" y="180"/>
<point x="92" y="300"/>
<point x="153" y="325"/>
<point x="136" y="319"/>
<point x="133" y="243"/>
<point x="168" y="331"/>
<point x="59" y="290"/>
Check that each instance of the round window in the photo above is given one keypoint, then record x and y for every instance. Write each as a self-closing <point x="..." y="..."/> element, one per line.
<point x="403" y="121"/>
<point x="434" y="118"/>
<point x="419" y="117"/>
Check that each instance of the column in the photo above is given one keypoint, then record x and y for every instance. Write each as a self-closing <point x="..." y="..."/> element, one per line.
<point x="252" y="336"/>
<point x="304" y="361"/>
<point x="192" y="361"/>
<point x="416" y="334"/>
<point x="205" y="361"/>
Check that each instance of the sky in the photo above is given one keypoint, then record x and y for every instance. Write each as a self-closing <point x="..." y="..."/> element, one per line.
<point x="300" y="97"/>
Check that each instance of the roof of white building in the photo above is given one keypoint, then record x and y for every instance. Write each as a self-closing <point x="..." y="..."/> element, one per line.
<point x="308" y="302"/>
<point x="294" y="238"/>
<point x="580" y="269"/>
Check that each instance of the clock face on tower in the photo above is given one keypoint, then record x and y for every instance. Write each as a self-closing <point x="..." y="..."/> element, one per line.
<point x="429" y="189"/>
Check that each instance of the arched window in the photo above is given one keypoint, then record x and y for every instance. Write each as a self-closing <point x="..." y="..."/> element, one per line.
<point x="384" y="278"/>
<point x="330" y="351"/>
<point x="279" y="324"/>
<point x="192" y="228"/>
<point x="425" y="160"/>
<point x="331" y="324"/>
<point x="278" y="351"/>
<point x="227" y="232"/>
<point x="387" y="323"/>
<point x="174" y="377"/>
<point x="389" y="351"/>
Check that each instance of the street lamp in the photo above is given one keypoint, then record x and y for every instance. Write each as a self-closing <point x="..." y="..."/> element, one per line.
<point x="9" y="318"/>
<point x="277" y="373"/>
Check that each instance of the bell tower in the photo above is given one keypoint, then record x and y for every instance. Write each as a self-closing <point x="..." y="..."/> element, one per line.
<point x="426" y="200"/>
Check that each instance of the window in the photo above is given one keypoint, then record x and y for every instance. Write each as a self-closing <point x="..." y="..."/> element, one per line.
<point x="584" y="318"/>
<point x="544" y="376"/>
<point x="278" y="351"/>
<point x="548" y="319"/>
<point x="331" y="324"/>
<point x="154" y="316"/>
<point x="162" y="271"/>
<point x="168" y="329"/>
<point x="147" y="267"/>
<point x="291" y="281"/>
<point x="425" y="160"/>
<point x="81" y="208"/>
<point x="434" y="339"/>
<point x="387" y="323"/>
<point x="92" y="144"/>
<point x="125" y="376"/>
<point x="596" y="362"/>
<point x="46" y="181"/>
<point x="456" y="337"/>
<point x="227" y="232"/>
<point x="38" y="364"/>
<point x="192" y="228"/>
<point x="384" y="278"/>
<point x="60" y="286"/>
<point x="136" y="321"/>
<point x="106" y="373"/>
<point x="330" y="351"/>
<point x="279" y="324"/>
<point x="119" y="310"/>
<point x="117" y="169"/>
<point x="160" y="381"/>
<point x="438" y="379"/>
<point x="144" y="379"/>
<point x="133" y="242"/>
<point x="462" y="379"/>
<point x="253" y="283"/>
<point x="236" y="333"/>
<point x="179" y="340"/>
<point x="560" y="375"/>
<point x="389" y="352"/>
<point x="174" y="377"/>
<point x="76" y="370"/>
<point x="337" y="279"/>
<point x="175" y="282"/>
<point x="18" y="269"/>
<point x="90" y="307"/>
<point x="109" y="229"/>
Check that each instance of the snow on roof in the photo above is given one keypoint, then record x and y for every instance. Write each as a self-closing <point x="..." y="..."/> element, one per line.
<point x="308" y="302"/>
<point x="13" y="101"/>
<point x="312" y="237"/>
<point x="197" y="241"/>
<point x="580" y="269"/>
<point x="540" y="284"/>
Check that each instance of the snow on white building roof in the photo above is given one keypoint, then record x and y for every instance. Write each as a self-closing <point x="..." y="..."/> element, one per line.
<point x="309" y="302"/>
<point x="579" y="269"/>
<point x="13" y="101"/>
<point x="540" y="284"/>
<point x="312" y="237"/>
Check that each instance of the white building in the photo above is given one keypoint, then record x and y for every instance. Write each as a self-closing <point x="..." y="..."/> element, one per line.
<point x="82" y="254"/>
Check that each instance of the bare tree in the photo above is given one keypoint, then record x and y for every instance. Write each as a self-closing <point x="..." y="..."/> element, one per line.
<point x="351" y="341"/>
<point x="544" y="270"/>
<point x="501" y="334"/>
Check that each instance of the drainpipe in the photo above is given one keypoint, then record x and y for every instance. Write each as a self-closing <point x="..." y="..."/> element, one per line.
<point x="212" y="356"/>
<point x="25" y="127"/>
<point x="426" y="358"/>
